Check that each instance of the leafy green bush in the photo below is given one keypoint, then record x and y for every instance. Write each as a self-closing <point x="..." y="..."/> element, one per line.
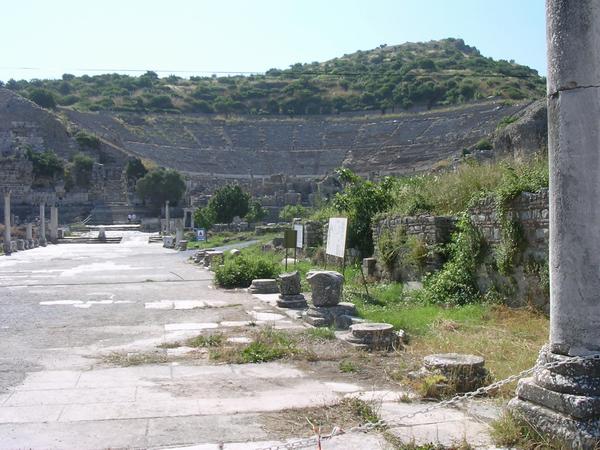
<point x="43" y="98"/>
<point x="456" y="282"/>
<point x="256" y="213"/>
<point x="290" y="212"/>
<point x="81" y="170"/>
<point x="87" y="140"/>
<point x="239" y="271"/>
<point x="46" y="164"/>
<point x="484" y="144"/>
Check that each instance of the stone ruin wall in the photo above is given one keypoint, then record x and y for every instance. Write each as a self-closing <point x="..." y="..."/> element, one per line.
<point x="531" y="212"/>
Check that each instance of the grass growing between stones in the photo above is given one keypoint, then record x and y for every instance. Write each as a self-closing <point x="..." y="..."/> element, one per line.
<point x="134" y="359"/>
<point x="512" y="431"/>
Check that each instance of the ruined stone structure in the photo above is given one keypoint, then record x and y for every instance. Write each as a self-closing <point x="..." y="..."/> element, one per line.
<point x="280" y="161"/>
<point x="529" y="210"/>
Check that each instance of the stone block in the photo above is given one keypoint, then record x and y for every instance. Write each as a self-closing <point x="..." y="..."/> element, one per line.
<point x="326" y="287"/>
<point x="264" y="286"/>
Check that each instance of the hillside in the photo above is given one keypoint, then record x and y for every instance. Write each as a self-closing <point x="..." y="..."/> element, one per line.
<point x="388" y="78"/>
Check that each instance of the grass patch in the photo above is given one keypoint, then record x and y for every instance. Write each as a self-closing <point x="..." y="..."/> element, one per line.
<point x="268" y="345"/>
<point x="508" y="339"/>
<point x="320" y="334"/>
<point x="347" y="366"/>
<point x="512" y="431"/>
<point x="212" y="340"/>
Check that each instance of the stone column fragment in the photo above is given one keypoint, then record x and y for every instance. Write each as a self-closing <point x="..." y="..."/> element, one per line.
<point x="564" y="402"/>
<point x="7" y="224"/>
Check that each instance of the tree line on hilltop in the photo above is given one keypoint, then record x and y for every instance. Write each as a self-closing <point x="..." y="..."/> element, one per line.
<point x="388" y="78"/>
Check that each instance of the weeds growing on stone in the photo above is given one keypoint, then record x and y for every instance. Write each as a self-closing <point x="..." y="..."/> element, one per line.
<point x="512" y="431"/>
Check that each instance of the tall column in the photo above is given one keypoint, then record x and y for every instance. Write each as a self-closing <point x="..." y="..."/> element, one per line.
<point x="29" y="231"/>
<point x="167" y="218"/>
<point x="54" y="224"/>
<point x="564" y="401"/>
<point x="42" y="236"/>
<point x="7" y="224"/>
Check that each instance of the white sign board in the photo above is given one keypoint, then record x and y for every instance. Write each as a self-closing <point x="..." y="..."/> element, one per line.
<point x="299" y="234"/>
<point x="336" y="236"/>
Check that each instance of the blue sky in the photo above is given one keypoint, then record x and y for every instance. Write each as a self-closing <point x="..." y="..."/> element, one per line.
<point x="54" y="37"/>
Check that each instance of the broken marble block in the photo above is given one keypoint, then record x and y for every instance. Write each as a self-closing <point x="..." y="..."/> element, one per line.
<point x="264" y="286"/>
<point x="341" y="315"/>
<point x="182" y="245"/>
<point x="291" y="291"/>
<point x="326" y="287"/>
<point x="102" y="235"/>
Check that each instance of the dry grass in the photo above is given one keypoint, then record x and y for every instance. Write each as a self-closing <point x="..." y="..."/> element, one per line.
<point x="509" y="340"/>
<point x="515" y="432"/>
<point x="304" y="422"/>
<point x="134" y="359"/>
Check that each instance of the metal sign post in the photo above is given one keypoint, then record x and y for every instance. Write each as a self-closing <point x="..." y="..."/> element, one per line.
<point x="289" y="241"/>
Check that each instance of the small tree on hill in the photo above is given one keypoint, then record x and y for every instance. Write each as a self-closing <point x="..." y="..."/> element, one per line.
<point x="43" y="98"/>
<point x="81" y="170"/>
<point x="135" y="169"/>
<point x="160" y="185"/>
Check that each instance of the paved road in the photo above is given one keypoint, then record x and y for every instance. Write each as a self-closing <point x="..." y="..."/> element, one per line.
<point x="64" y="309"/>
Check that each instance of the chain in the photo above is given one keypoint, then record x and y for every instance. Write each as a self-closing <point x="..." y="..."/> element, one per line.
<point x="368" y="426"/>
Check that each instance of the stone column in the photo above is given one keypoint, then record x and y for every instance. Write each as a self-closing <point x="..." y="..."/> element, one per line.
<point x="29" y="235"/>
<point x="7" y="224"/>
<point x="54" y="224"/>
<point x="167" y="218"/>
<point x="42" y="236"/>
<point x="564" y="401"/>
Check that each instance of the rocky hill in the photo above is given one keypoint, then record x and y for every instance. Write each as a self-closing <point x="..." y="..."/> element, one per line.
<point x="389" y="78"/>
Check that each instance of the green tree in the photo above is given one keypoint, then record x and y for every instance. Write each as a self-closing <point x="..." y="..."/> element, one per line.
<point x="360" y="201"/>
<point x="81" y="170"/>
<point x="289" y="212"/>
<point x="87" y="140"/>
<point x="46" y="164"/>
<point x="256" y="213"/>
<point x="160" y="185"/>
<point x="228" y="202"/>
<point x="204" y="217"/>
<point x="135" y="169"/>
<point x="43" y="98"/>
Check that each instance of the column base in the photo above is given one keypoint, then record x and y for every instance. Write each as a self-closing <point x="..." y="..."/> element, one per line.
<point x="7" y="248"/>
<point x="578" y="434"/>
<point x="562" y="403"/>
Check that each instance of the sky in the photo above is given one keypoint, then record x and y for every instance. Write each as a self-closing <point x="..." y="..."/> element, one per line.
<point x="44" y="39"/>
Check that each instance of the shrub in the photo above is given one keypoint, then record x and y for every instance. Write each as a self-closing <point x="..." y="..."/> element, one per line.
<point x="45" y="164"/>
<point x="81" y="170"/>
<point x="43" y="98"/>
<point x="456" y="282"/>
<point x="135" y="169"/>
<point x="484" y="144"/>
<point x="239" y="271"/>
<point x="256" y="213"/>
<point x="87" y="140"/>
<point x="290" y="212"/>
